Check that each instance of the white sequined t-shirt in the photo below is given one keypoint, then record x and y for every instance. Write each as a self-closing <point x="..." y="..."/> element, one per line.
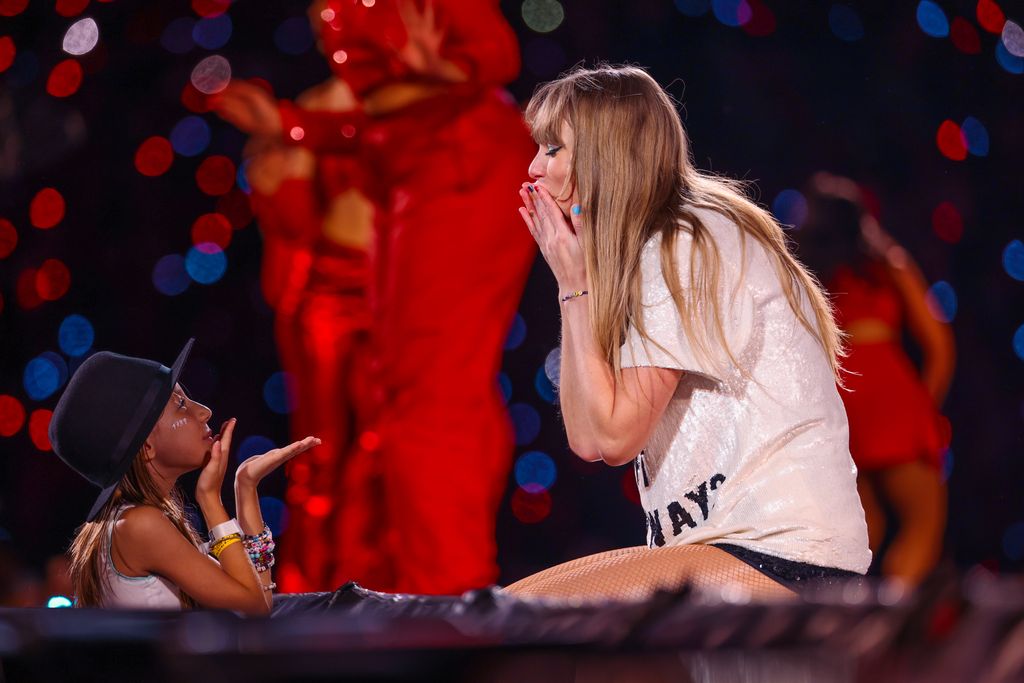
<point x="759" y="460"/>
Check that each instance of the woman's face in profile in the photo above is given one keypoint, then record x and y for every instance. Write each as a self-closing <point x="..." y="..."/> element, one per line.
<point x="551" y="167"/>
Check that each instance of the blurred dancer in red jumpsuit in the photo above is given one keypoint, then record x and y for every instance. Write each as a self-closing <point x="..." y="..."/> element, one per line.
<point x="443" y="145"/>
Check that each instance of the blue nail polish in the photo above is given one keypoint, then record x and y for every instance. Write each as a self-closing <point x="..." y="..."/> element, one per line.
<point x="576" y="210"/>
<point x="529" y="188"/>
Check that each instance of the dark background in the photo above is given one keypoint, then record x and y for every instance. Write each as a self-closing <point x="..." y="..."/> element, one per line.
<point x="767" y="108"/>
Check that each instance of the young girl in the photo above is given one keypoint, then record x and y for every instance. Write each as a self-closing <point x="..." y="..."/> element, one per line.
<point x="692" y="337"/>
<point x="126" y="425"/>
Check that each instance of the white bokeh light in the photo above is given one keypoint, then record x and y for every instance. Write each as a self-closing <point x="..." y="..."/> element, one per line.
<point x="81" y="37"/>
<point x="211" y="75"/>
<point x="1013" y="38"/>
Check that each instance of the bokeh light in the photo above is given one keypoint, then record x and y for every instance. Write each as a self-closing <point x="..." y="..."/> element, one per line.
<point x="193" y="100"/>
<point x="964" y="36"/>
<point x="762" y="19"/>
<point x="81" y="37"/>
<point x="693" y="8"/>
<point x="845" y="23"/>
<point x="212" y="228"/>
<point x="731" y="12"/>
<point x="1013" y="38"/>
<point x="39" y="428"/>
<point x="212" y="33"/>
<point x="531" y="508"/>
<point x="544" y="387"/>
<point x="76" y="335"/>
<point x="190" y="136"/>
<point x="947" y="223"/>
<point x="41" y="377"/>
<point x="170" y="276"/>
<point x="790" y="208"/>
<point x="12" y="8"/>
<point x="535" y="471"/>
<point x="256" y="444"/>
<point x="64" y="79"/>
<point x="543" y="16"/>
<point x="629" y="489"/>
<point x="526" y="422"/>
<point x="216" y="175"/>
<point x="976" y="136"/>
<point x="71" y="8"/>
<point x="63" y="372"/>
<point x="8" y="238"/>
<point x="1018" y="342"/>
<point x="279" y="393"/>
<point x="505" y="386"/>
<point x="177" y="36"/>
<point x="294" y="36"/>
<point x="211" y="75"/>
<point x="942" y="301"/>
<point x="516" y="333"/>
<point x="990" y="16"/>
<point x="7" y="52"/>
<point x="205" y="263"/>
<point x="1013" y="260"/>
<point x="275" y="514"/>
<point x="1010" y="63"/>
<point x="12" y="415"/>
<point x="951" y="141"/>
<point x="553" y="366"/>
<point x="53" y="279"/>
<point x="210" y="8"/>
<point x="932" y="19"/>
<point x="154" y="156"/>
<point x="58" y="602"/>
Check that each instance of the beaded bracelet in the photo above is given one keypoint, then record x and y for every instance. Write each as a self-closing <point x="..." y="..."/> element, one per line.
<point x="261" y="549"/>
<point x="223" y="543"/>
<point x="573" y="295"/>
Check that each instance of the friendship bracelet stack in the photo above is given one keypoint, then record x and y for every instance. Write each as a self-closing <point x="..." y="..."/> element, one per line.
<point x="261" y="549"/>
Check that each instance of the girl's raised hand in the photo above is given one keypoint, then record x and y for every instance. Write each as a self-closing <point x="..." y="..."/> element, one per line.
<point x="254" y="469"/>
<point x="211" y="477"/>
<point x="557" y="237"/>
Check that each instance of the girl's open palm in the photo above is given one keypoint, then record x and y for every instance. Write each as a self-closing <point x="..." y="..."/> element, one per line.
<point x="254" y="469"/>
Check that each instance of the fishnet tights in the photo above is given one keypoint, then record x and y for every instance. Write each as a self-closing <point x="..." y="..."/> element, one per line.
<point x="636" y="573"/>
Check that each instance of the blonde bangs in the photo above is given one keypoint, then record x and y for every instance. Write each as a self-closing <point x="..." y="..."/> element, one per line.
<point x="547" y="111"/>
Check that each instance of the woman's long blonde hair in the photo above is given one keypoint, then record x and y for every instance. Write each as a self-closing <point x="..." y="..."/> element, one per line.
<point x="632" y="169"/>
<point x="89" y="551"/>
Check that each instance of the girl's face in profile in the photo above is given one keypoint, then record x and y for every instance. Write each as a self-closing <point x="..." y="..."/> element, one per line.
<point x="182" y="439"/>
<point x="551" y="168"/>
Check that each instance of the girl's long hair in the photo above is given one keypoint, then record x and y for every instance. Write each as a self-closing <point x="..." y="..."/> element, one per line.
<point x="90" y="551"/>
<point x="632" y="169"/>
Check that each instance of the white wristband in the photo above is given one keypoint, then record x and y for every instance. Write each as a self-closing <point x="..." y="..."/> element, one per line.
<point x="225" y="529"/>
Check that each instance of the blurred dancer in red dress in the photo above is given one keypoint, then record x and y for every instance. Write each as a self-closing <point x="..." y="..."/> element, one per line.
<point x="897" y="435"/>
<point x="443" y="144"/>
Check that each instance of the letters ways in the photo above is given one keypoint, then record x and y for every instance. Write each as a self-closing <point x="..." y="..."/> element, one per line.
<point x="678" y="515"/>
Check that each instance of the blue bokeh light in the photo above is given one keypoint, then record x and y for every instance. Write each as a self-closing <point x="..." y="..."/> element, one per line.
<point x="58" y="602"/>
<point x="177" y="36"/>
<point x="170" y="276"/>
<point x="526" y="422"/>
<point x="942" y="301"/>
<point x="535" y="471"/>
<point x="241" y="179"/>
<point x="505" y="384"/>
<point x="190" y="136"/>
<point x="1018" y="342"/>
<point x="58" y="362"/>
<point x="1010" y="62"/>
<point x="206" y="263"/>
<point x="279" y="393"/>
<point x="516" y="334"/>
<point x="544" y="387"/>
<point x="977" y="136"/>
<point x="294" y="36"/>
<point x="845" y="23"/>
<point x="731" y="12"/>
<point x="790" y="208"/>
<point x="254" y="445"/>
<point x="932" y="19"/>
<point x="275" y="514"/>
<point x="212" y="33"/>
<point x="75" y="335"/>
<point x="1013" y="260"/>
<point x="41" y="378"/>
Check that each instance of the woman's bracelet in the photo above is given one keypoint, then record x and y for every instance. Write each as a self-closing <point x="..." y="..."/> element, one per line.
<point x="260" y="548"/>
<point x="573" y="295"/>
<point x="223" y="543"/>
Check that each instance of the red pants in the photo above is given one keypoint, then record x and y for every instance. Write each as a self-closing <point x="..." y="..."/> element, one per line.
<point x="452" y="259"/>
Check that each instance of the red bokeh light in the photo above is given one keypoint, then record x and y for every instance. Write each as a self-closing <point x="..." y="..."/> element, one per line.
<point x="212" y="228"/>
<point x="65" y="78"/>
<point x="8" y="237"/>
<point x="990" y="16"/>
<point x="235" y="205"/>
<point x="11" y="8"/>
<point x="964" y="36"/>
<point x="296" y="495"/>
<point x="318" y="506"/>
<point x="25" y="290"/>
<point x="39" y="427"/>
<point x="216" y="175"/>
<point x="47" y="208"/>
<point x="298" y="472"/>
<point x="71" y="8"/>
<point x="12" y="415"/>
<point x="154" y="156"/>
<point x="53" y="279"/>
<point x="947" y="223"/>
<point x="369" y="441"/>
<point x="210" y="8"/>
<point x="530" y="508"/>
<point x="762" y="19"/>
<point x="951" y="141"/>
<point x="194" y="100"/>
<point x="629" y="487"/>
<point x="7" y="52"/>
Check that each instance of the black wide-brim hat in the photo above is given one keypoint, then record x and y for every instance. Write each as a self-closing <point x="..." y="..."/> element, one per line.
<point x="106" y="412"/>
